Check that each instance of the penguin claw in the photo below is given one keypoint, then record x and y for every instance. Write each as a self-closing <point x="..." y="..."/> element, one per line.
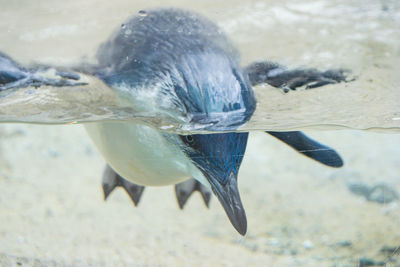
<point x="111" y="180"/>
<point x="185" y="189"/>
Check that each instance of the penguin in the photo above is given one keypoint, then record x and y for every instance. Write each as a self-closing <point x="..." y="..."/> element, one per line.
<point x="179" y="63"/>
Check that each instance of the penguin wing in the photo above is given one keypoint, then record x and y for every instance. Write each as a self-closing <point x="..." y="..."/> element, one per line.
<point x="280" y="77"/>
<point x="46" y="94"/>
<point x="14" y="76"/>
<point x="10" y="71"/>
<point x="310" y="148"/>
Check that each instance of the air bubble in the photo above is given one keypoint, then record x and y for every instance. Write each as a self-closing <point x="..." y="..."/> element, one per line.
<point x="142" y="13"/>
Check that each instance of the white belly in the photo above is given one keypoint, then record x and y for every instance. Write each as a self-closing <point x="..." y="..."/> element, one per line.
<point x="141" y="154"/>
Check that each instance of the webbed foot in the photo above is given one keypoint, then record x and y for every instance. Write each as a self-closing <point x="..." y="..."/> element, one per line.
<point x="111" y="180"/>
<point x="185" y="189"/>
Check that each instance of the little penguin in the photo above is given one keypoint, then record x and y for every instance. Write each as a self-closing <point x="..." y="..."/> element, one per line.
<point x="179" y="63"/>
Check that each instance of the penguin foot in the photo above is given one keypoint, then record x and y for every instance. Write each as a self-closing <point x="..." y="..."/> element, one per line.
<point x="111" y="180"/>
<point x="280" y="77"/>
<point x="185" y="189"/>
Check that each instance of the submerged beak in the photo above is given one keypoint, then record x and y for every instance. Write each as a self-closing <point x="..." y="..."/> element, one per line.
<point x="228" y="196"/>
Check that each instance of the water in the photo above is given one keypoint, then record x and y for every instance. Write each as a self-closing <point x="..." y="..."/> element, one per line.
<point x="300" y="213"/>
<point x="341" y="34"/>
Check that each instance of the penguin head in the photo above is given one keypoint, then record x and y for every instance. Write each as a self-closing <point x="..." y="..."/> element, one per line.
<point x="218" y="157"/>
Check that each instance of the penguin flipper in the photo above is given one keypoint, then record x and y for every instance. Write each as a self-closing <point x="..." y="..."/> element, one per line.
<point x="14" y="76"/>
<point x="185" y="189"/>
<point x="111" y="180"/>
<point x="10" y="71"/>
<point x="280" y="77"/>
<point x="310" y="148"/>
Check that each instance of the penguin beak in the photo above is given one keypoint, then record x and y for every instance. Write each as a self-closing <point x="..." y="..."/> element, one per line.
<point x="218" y="158"/>
<point x="228" y="196"/>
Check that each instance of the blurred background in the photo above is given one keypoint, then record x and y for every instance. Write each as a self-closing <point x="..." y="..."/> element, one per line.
<point x="300" y="213"/>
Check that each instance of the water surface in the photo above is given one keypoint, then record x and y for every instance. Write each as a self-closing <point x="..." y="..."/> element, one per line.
<point x="363" y="38"/>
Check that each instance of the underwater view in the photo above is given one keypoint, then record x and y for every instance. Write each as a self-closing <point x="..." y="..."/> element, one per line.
<point x="163" y="91"/>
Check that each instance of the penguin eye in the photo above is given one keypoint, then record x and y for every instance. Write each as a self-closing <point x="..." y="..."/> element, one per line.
<point x="189" y="139"/>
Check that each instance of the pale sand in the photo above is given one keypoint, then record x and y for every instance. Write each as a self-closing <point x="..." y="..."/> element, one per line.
<point x="52" y="211"/>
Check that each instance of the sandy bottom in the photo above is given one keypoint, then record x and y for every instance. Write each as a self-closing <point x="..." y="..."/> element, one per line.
<point x="300" y="213"/>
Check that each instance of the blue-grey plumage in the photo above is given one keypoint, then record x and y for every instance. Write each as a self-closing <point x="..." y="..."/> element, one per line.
<point x="182" y="65"/>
